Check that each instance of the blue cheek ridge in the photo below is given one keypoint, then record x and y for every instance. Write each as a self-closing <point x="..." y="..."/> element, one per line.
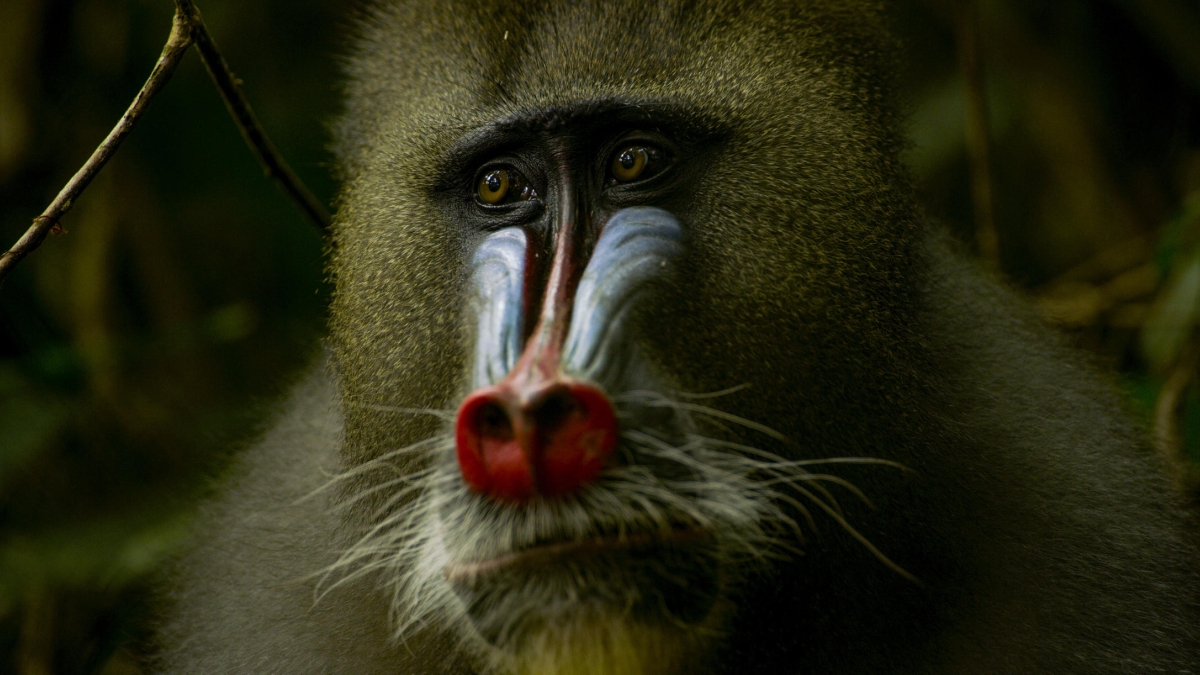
<point x="639" y="245"/>
<point x="497" y="293"/>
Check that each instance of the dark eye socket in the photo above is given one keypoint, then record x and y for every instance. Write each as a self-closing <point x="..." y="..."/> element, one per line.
<point x="636" y="161"/>
<point x="503" y="185"/>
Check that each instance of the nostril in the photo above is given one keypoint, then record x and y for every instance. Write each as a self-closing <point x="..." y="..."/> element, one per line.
<point x="491" y="456"/>
<point x="493" y="422"/>
<point x="577" y="431"/>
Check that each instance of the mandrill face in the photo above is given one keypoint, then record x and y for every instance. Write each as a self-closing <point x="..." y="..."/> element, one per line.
<point x="619" y="291"/>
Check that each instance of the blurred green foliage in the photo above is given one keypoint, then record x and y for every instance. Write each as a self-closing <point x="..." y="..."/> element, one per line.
<point x="139" y="346"/>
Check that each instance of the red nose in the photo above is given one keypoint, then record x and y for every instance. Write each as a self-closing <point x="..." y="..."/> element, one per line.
<point x="551" y="441"/>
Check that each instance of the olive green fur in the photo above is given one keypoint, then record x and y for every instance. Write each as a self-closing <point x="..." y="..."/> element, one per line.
<point x="1040" y="525"/>
<point x="819" y="167"/>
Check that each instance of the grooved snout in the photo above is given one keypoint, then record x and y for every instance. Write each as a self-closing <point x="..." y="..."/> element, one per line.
<point x="538" y="431"/>
<point x="548" y="440"/>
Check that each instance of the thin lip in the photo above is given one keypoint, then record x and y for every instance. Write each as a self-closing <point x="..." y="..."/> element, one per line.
<point x="472" y="571"/>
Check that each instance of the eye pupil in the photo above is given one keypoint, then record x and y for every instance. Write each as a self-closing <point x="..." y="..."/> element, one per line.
<point x="630" y="163"/>
<point x="494" y="186"/>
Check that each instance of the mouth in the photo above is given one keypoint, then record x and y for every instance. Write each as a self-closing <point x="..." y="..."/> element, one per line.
<point x="546" y="554"/>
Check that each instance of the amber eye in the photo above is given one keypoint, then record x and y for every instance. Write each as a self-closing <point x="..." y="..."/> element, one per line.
<point x="629" y="163"/>
<point x="493" y="186"/>
<point x="502" y="186"/>
<point x="636" y="162"/>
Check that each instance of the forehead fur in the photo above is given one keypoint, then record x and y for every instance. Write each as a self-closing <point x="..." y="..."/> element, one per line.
<point x="435" y="69"/>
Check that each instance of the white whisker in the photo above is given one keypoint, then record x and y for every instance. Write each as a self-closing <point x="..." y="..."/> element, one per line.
<point x="756" y="505"/>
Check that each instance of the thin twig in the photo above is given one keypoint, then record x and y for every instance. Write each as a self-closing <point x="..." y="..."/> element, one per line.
<point x="186" y="28"/>
<point x="177" y="43"/>
<point x="978" y="134"/>
<point x="239" y="108"/>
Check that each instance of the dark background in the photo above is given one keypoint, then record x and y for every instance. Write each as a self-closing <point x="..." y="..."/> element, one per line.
<point x="139" y="347"/>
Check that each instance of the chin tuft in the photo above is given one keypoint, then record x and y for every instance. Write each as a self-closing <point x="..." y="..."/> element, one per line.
<point x="602" y="646"/>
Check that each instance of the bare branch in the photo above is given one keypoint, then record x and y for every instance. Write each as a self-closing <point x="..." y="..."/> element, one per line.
<point x="177" y="43"/>
<point x="978" y="133"/>
<point x="186" y="28"/>
<point x="272" y="162"/>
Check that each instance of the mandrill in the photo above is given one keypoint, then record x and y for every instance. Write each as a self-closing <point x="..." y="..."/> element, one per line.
<point x="642" y="361"/>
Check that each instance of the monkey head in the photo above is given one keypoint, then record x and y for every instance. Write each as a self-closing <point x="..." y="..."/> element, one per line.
<point x="611" y="279"/>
